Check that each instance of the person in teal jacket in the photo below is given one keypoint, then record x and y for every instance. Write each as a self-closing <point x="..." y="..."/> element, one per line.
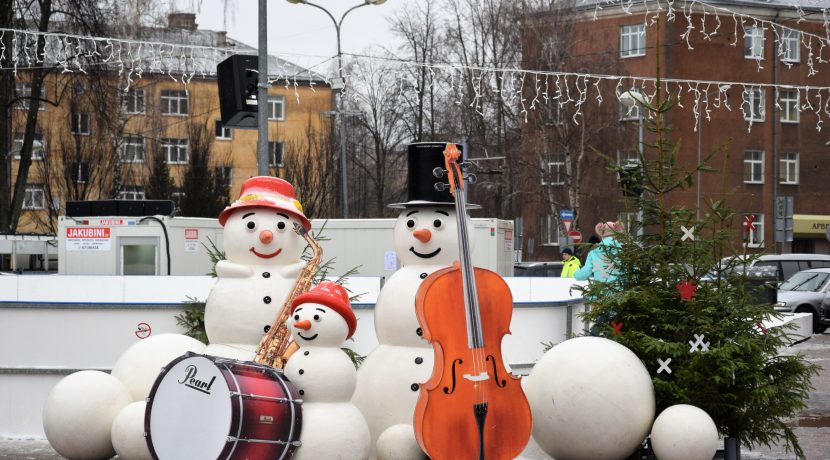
<point x="598" y="265"/>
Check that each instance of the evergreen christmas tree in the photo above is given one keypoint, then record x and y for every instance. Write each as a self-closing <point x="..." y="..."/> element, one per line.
<point x="689" y="311"/>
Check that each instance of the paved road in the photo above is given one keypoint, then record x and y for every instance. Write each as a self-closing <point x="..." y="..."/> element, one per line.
<point x="812" y="425"/>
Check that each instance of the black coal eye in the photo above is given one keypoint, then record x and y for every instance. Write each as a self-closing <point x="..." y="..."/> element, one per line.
<point x="410" y="223"/>
<point x="316" y="317"/>
<point x="251" y="225"/>
<point x="437" y="223"/>
<point x="296" y="317"/>
<point x="281" y="225"/>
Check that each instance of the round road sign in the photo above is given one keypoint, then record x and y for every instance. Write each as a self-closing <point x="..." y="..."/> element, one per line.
<point x="575" y="236"/>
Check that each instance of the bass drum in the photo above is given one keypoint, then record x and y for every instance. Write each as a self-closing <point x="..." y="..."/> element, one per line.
<point x="204" y="407"/>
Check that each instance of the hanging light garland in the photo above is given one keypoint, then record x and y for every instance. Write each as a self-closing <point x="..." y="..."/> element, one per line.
<point x="528" y="90"/>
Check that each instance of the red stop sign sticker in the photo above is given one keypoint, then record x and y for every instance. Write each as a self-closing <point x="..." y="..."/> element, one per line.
<point x="143" y="330"/>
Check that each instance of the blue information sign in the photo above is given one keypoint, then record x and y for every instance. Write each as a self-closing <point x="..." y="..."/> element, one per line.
<point x="566" y="214"/>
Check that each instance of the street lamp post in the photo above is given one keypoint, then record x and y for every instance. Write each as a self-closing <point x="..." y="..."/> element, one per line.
<point x="339" y="85"/>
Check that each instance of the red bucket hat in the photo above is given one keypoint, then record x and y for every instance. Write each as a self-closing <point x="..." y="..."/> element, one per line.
<point x="332" y="295"/>
<point x="270" y="192"/>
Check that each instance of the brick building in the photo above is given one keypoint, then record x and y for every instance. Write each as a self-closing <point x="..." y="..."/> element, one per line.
<point x="783" y="155"/>
<point x="93" y="141"/>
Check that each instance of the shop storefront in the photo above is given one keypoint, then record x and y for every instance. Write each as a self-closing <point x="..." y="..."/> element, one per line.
<point x="810" y="233"/>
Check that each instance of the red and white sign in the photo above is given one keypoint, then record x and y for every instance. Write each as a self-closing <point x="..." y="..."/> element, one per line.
<point x="111" y="222"/>
<point x="575" y="236"/>
<point x="567" y="224"/>
<point x="191" y="239"/>
<point x="88" y="239"/>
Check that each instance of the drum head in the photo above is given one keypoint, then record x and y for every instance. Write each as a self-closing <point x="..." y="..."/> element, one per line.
<point x="190" y="411"/>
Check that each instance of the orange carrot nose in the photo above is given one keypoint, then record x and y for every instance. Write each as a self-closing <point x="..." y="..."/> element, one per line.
<point x="266" y="236"/>
<point x="304" y="324"/>
<point x="423" y="235"/>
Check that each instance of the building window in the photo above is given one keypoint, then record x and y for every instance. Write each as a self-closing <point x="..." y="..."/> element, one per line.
<point x="79" y="172"/>
<point x="276" y="151"/>
<point x="754" y="42"/>
<point x="554" y="174"/>
<point x="174" y="150"/>
<point x="134" y="101"/>
<point x="24" y="97"/>
<point x="224" y="174"/>
<point x="173" y="102"/>
<point x="276" y="107"/>
<point x="79" y="123"/>
<point x="790" y="45"/>
<point x="633" y="40"/>
<point x="132" y="151"/>
<point x="788" y="100"/>
<point x="131" y="192"/>
<point x="754" y="167"/>
<point x="549" y="230"/>
<point x="754" y="238"/>
<point x="35" y="197"/>
<point x="38" y="146"/>
<point x="753" y="105"/>
<point x="788" y="169"/>
<point x="222" y="133"/>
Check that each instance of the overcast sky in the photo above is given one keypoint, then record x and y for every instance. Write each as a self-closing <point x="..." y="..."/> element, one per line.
<point x="302" y="30"/>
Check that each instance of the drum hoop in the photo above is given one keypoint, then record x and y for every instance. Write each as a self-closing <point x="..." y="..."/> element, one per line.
<point x="148" y="435"/>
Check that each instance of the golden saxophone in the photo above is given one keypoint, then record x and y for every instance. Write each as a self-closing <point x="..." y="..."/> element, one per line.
<point x="277" y="345"/>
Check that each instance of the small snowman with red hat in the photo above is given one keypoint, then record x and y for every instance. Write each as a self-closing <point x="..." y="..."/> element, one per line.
<point x="325" y="376"/>
<point x="263" y="261"/>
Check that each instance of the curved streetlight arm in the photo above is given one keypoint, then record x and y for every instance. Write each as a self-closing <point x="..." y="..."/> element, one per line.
<point x="337" y="25"/>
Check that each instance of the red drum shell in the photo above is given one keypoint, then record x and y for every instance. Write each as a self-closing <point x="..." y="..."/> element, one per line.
<point x="208" y="407"/>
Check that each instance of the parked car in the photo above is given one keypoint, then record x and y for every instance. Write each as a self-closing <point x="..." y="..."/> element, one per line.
<point x="781" y="266"/>
<point x="807" y="291"/>
<point x="547" y="269"/>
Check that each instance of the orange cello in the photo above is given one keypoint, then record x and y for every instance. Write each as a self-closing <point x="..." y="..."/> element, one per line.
<point x="471" y="407"/>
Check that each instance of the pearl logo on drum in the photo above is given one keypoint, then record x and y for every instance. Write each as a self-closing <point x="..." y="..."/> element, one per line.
<point x="191" y="381"/>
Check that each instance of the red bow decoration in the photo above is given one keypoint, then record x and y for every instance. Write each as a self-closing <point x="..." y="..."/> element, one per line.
<point x="686" y="289"/>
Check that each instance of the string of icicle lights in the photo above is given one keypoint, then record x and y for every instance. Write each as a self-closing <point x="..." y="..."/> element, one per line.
<point x="478" y="87"/>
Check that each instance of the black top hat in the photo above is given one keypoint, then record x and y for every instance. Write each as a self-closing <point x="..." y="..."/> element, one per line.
<point x="423" y="158"/>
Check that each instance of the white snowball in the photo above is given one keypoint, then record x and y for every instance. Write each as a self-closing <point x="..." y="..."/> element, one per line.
<point x="684" y="432"/>
<point x="128" y="433"/>
<point x="139" y="366"/>
<point x="79" y="411"/>
<point x="398" y="443"/>
<point x="591" y="398"/>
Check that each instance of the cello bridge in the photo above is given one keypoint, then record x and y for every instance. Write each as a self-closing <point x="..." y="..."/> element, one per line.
<point x="477" y="378"/>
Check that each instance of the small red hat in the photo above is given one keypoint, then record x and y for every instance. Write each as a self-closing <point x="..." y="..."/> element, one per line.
<point x="270" y="192"/>
<point x="332" y="295"/>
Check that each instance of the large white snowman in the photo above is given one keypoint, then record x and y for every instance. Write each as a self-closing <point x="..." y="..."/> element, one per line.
<point x="426" y="240"/>
<point x="325" y="376"/>
<point x="263" y="259"/>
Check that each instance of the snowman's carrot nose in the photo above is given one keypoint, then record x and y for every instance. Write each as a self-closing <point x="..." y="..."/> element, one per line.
<point x="423" y="235"/>
<point x="266" y="236"/>
<point x="304" y="324"/>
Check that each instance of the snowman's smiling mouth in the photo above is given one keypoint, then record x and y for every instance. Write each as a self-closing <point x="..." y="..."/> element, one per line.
<point x="424" y="256"/>
<point x="266" y="256"/>
<point x="307" y="338"/>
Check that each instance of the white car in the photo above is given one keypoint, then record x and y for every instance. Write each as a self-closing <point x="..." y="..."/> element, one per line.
<point x="807" y="291"/>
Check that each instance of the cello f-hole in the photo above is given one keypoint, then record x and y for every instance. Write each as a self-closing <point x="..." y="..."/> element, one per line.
<point x="500" y="382"/>
<point x="448" y="390"/>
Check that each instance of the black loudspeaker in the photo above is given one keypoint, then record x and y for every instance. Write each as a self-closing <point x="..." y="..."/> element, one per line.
<point x="158" y="207"/>
<point x="78" y="209"/>
<point x="131" y="208"/>
<point x="104" y="208"/>
<point x="238" y="80"/>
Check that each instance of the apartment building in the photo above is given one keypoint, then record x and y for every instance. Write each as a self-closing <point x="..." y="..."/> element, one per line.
<point x="96" y="140"/>
<point x="775" y="150"/>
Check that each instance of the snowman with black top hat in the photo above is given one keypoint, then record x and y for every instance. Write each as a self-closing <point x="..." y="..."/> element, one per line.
<point x="426" y="240"/>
